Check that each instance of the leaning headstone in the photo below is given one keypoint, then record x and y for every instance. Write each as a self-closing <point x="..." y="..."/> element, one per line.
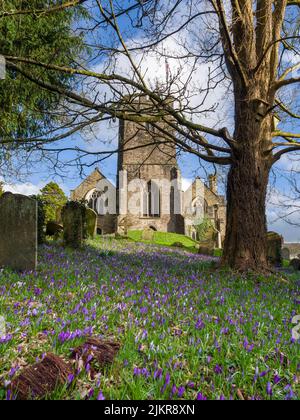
<point x="73" y="216"/>
<point x="275" y="242"/>
<point x="208" y="242"/>
<point x="54" y="229"/>
<point x="18" y="232"/>
<point x="91" y="222"/>
<point x="295" y="264"/>
<point x="148" y="235"/>
<point x="285" y="253"/>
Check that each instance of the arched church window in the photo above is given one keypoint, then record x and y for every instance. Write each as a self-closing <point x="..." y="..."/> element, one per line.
<point x="200" y="207"/>
<point x="152" y="200"/>
<point x="97" y="203"/>
<point x="93" y="201"/>
<point x="172" y="201"/>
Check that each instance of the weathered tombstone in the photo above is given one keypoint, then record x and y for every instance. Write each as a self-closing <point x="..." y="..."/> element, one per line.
<point x="203" y="250"/>
<point x="295" y="264"/>
<point x="123" y="227"/>
<point x="285" y="253"/>
<point x="148" y="234"/>
<point x="208" y="242"/>
<point x="18" y="232"/>
<point x="73" y="216"/>
<point x="178" y="245"/>
<point x="54" y="229"/>
<point x="275" y="242"/>
<point x="91" y="222"/>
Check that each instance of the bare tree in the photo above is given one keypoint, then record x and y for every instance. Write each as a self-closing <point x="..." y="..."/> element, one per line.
<point x="248" y="47"/>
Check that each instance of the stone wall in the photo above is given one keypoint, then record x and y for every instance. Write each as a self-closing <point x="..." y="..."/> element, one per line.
<point x="107" y="224"/>
<point x="214" y="207"/>
<point x="132" y="136"/>
<point x="86" y="186"/>
<point x="294" y="249"/>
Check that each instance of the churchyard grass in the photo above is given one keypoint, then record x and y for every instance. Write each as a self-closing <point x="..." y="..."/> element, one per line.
<point x="186" y="331"/>
<point x="165" y="239"/>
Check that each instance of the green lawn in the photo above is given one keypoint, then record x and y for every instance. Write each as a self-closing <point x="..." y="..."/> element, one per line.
<point x="165" y="239"/>
<point x="169" y="239"/>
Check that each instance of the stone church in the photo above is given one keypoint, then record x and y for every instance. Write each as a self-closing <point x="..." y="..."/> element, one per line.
<point x="148" y="191"/>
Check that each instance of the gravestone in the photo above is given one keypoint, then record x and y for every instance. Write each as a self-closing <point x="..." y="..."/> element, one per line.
<point x="54" y="229"/>
<point x="204" y="250"/>
<point x="285" y="253"/>
<point x="208" y="242"/>
<point x="18" y="232"/>
<point x="73" y="217"/>
<point x="91" y="222"/>
<point x="295" y="264"/>
<point x="148" y="234"/>
<point x="275" y="242"/>
<point x="178" y="245"/>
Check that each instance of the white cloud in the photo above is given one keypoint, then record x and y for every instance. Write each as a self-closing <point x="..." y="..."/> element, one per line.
<point x="23" y="188"/>
<point x="186" y="183"/>
<point x="280" y="210"/>
<point x="28" y="188"/>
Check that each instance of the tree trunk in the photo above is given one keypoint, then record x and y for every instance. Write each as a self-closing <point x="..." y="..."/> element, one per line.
<point x="245" y="247"/>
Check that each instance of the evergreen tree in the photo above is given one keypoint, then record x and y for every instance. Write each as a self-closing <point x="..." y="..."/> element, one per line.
<point x="26" y="109"/>
<point x="52" y="197"/>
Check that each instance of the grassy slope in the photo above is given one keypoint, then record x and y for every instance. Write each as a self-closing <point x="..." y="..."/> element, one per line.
<point x="217" y="335"/>
<point x="165" y="239"/>
<point x="169" y="239"/>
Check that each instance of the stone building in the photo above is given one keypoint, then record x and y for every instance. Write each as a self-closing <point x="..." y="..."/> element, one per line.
<point x="148" y="192"/>
<point x="94" y="190"/>
<point x="204" y="196"/>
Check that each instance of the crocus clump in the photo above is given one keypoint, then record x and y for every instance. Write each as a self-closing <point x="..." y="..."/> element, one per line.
<point x="186" y="331"/>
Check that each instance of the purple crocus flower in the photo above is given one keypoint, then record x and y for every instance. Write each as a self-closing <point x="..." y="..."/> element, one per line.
<point x="269" y="389"/>
<point x="264" y="373"/>
<point x="174" y="390"/>
<point x="136" y="371"/>
<point x="158" y="373"/>
<point x="70" y="379"/>
<point x="181" y="391"/>
<point x="100" y="396"/>
<point x="201" y="397"/>
<point x="218" y="370"/>
<point x="167" y="382"/>
<point x="277" y="379"/>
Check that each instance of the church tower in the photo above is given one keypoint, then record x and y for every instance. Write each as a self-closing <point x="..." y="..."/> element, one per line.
<point x="149" y="180"/>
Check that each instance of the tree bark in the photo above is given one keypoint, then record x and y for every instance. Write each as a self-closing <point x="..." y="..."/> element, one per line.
<point x="245" y="247"/>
